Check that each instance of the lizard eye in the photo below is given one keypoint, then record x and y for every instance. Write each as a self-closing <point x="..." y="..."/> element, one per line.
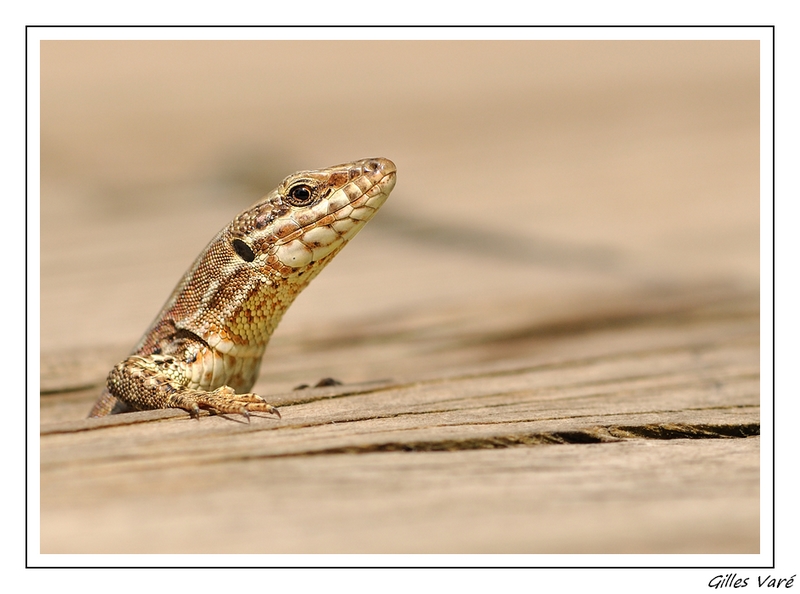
<point x="244" y="251"/>
<point x="300" y="195"/>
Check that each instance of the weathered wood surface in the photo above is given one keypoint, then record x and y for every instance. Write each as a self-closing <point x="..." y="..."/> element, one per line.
<point x="549" y="336"/>
<point x="642" y="441"/>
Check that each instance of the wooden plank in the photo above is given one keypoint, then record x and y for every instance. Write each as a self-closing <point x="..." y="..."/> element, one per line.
<point x="650" y="423"/>
<point x="627" y="497"/>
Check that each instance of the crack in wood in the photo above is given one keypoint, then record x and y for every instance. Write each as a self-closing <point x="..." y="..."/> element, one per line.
<point x="611" y="434"/>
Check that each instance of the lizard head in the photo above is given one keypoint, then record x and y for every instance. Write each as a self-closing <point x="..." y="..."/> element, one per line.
<point x="311" y="215"/>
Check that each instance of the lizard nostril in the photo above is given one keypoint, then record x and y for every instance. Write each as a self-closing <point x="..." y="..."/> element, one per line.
<point x="379" y="165"/>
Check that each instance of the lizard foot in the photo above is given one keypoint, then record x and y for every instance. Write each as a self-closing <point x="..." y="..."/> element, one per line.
<point x="221" y="401"/>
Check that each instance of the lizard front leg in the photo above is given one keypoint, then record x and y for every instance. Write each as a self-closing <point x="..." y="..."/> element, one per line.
<point x="160" y="381"/>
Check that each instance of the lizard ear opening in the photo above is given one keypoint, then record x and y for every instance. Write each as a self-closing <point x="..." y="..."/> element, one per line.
<point x="244" y="251"/>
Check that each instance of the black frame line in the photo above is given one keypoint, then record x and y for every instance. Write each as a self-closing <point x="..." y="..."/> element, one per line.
<point x="456" y="567"/>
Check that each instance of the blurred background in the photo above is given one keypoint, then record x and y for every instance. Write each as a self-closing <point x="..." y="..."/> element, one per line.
<point x="534" y="177"/>
<point x="584" y="210"/>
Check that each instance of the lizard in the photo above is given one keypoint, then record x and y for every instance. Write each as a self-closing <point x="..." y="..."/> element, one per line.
<point x="204" y="349"/>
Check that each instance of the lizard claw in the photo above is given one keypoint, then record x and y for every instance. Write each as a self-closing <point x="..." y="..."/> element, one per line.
<point x="223" y="400"/>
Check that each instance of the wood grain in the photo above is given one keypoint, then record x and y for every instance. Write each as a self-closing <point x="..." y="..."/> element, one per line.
<point x="645" y="442"/>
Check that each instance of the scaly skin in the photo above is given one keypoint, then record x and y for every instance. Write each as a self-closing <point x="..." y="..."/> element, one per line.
<point x="204" y="349"/>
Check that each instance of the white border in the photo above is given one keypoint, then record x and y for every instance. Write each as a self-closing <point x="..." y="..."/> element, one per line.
<point x="764" y="34"/>
<point x="403" y="33"/>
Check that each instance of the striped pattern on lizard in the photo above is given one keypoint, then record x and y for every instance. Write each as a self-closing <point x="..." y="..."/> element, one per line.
<point x="204" y="349"/>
